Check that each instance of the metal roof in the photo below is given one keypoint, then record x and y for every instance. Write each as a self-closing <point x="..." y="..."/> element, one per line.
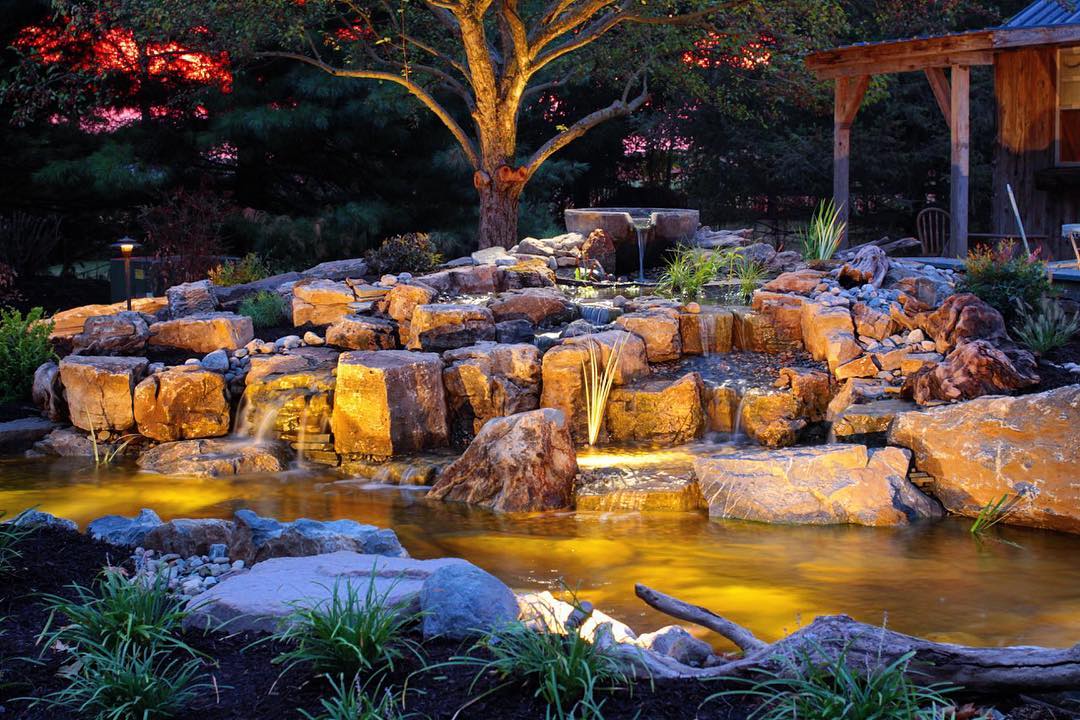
<point x="1042" y="13"/>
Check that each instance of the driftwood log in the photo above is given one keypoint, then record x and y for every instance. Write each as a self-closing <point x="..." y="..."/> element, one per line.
<point x="868" y="267"/>
<point x="1007" y="669"/>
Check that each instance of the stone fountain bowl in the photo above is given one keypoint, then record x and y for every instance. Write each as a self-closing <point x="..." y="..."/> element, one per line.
<point x="667" y="228"/>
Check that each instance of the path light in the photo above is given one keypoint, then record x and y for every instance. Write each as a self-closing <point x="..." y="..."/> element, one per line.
<point x="126" y="246"/>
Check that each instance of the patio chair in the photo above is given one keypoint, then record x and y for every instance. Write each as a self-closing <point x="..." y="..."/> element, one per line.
<point x="932" y="227"/>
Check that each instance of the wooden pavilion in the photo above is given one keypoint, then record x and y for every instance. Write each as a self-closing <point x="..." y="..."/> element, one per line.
<point x="1036" y="62"/>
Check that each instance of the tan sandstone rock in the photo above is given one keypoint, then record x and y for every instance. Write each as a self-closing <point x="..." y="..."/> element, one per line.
<point x="829" y="334"/>
<point x="360" y="332"/>
<point x="400" y="303"/>
<point x="68" y="323"/>
<point x="445" y="326"/>
<point x="490" y="380"/>
<point x="320" y="302"/>
<point x="800" y="282"/>
<point x="215" y="457"/>
<point x="659" y="329"/>
<point x="99" y="390"/>
<point x="389" y="402"/>
<point x="182" y="403"/>
<point x="203" y="333"/>
<point x="659" y="412"/>
<point x="540" y="306"/>
<point x="124" y="333"/>
<point x="707" y="331"/>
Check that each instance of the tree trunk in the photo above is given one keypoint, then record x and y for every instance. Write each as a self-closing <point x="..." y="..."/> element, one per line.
<point x="498" y="214"/>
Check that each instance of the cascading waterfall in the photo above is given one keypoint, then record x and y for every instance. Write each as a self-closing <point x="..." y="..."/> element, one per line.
<point x="736" y="423"/>
<point x="707" y="323"/>
<point x="641" y="228"/>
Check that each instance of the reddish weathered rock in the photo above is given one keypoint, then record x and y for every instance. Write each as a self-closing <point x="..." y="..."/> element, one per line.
<point x="981" y="450"/>
<point x="784" y="313"/>
<point x="446" y="326"/>
<point x="962" y="318"/>
<point x="599" y="247"/>
<point x="973" y="369"/>
<point x="800" y="282"/>
<point x="540" y="306"/>
<point x="868" y="267"/>
<point x="659" y="329"/>
<point x="872" y="323"/>
<point x="123" y="333"/>
<point x="520" y="463"/>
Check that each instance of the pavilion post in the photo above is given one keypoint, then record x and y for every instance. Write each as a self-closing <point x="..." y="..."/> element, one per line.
<point x="848" y="96"/>
<point x="960" y="132"/>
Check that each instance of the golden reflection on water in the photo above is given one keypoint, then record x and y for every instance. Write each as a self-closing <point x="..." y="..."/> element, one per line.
<point x="934" y="580"/>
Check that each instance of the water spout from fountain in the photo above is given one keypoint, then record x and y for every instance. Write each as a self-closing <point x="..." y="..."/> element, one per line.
<point x="641" y="228"/>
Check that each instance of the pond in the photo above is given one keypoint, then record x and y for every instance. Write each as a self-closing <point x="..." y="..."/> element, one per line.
<point x="1017" y="587"/>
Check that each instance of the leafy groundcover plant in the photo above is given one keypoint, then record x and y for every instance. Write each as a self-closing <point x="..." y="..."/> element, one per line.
<point x="24" y="345"/>
<point x="247" y="269"/>
<point x="266" y="309"/>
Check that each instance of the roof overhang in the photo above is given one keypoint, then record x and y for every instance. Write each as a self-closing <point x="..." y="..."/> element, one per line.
<point x="969" y="48"/>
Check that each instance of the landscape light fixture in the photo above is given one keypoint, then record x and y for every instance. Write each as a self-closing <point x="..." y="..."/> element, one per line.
<point x="126" y="246"/>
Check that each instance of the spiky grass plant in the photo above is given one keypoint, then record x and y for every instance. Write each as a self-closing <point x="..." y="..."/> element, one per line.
<point x="810" y="689"/>
<point x="597" y="383"/>
<point x="994" y="512"/>
<point x="688" y="270"/>
<point x="129" y="681"/>
<point x="822" y="237"/>
<point x="265" y="308"/>
<point x="350" y="701"/>
<point x="566" y="671"/>
<point x="116" y="612"/>
<point x="352" y="633"/>
<point x="105" y="455"/>
<point x="1045" y="328"/>
<point x="11" y="536"/>
<point x="749" y="274"/>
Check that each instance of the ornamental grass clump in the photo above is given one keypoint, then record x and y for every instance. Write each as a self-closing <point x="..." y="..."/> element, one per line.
<point x="265" y="308"/>
<point x="350" y="701"/>
<point x="1045" y="328"/>
<point x="688" y="270"/>
<point x="24" y="345"/>
<point x="821" y="238"/>
<point x="597" y="383"/>
<point x="749" y="274"/>
<point x="11" y="536"/>
<point x="351" y="633"/>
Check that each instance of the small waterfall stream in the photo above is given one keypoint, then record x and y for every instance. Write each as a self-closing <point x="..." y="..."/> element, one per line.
<point x="641" y="228"/>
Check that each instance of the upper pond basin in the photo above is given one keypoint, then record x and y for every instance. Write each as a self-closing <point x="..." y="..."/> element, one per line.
<point x="1017" y="586"/>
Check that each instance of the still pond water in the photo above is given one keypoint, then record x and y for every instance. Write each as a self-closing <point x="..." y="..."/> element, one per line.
<point x="1017" y="587"/>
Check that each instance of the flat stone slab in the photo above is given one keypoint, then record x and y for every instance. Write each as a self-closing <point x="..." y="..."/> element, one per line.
<point x="19" y="435"/>
<point x="259" y="599"/>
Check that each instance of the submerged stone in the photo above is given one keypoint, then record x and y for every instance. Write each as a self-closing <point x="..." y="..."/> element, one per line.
<point x="214" y="458"/>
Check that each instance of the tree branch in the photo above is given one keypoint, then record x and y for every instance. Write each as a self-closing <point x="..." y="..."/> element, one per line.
<point x="743" y="638"/>
<point x="417" y="91"/>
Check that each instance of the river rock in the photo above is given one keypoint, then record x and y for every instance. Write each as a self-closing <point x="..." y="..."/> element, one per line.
<point x="99" y="390"/>
<point x="214" y="458"/>
<point x="39" y="519"/>
<point x="203" y="333"/>
<point x="676" y="642"/>
<point x="563" y="378"/>
<point x="182" y="403"/>
<point x="826" y="484"/>
<point x="660" y="331"/>
<point x="360" y="332"/>
<point x="443" y="326"/>
<point x="259" y="599"/>
<point x="462" y="601"/>
<point x="490" y="380"/>
<point x="119" y="530"/>
<point x="659" y="412"/>
<point x="400" y="303"/>
<point x="543" y="307"/>
<point x="521" y="463"/>
<point x="125" y="333"/>
<point x="47" y="392"/>
<point x="980" y="450"/>
<point x="389" y="402"/>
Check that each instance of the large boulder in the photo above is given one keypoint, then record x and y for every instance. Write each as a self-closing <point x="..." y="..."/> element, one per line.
<point x="270" y="538"/>
<point x="828" y="333"/>
<point x="214" y="458"/>
<point x="68" y="323"/>
<point x="203" y="333"/>
<point x="389" y="402"/>
<point x="480" y="279"/>
<point x="125" y="333"/>
<point x="783" y="315"/>
<point x="800" y="282"/>
<point x="17" y="436"/>
<point x="973" y="369"/>
<point x="542" y="307"/>
<point x="461" y="601"/>
<point x="520" y="463"/>
<point x="659" y="412"/>
<point x="338" y="269"/>
<point x="444" y="326"/>
<point x="659" y="329"/>
<point x="119" y="530"/>
<point x="822" y="485"/>
<point x="490" y="380"/>
<point x="182" y="403"/>
<point x="192" y="298"/>
<point x="771" y="417"/>
<point x="981" y="450"/>
<point x="360" y="332"/>
<point x="320" y="302"/>
<point x="258" y="600"/>
<point x="99" y="390"/>
<point x="563" y="385"/>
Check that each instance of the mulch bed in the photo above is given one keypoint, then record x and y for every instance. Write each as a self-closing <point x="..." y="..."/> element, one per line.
<point x="1051" y="374"/>
<point x="250" y="687"/>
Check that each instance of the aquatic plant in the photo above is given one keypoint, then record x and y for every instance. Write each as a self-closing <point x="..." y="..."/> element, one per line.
<point x="105" y="455"/>
<point x="1045" y="328"/>
<point x="350" y="633"/>
<point x="821" y="238"/>
<point x="687" y="272"/>
<point x="265" y="308"/>
<point x="809" y="689"/>
<point x="11" y="536"/>
<point x="597" y="383"/>
<point x="995" y="512"/>
<point x="749" y="274"/>
<point x="350" y="701"/>
<point x="1006" y="278"/>
<point x="24" y="345"/>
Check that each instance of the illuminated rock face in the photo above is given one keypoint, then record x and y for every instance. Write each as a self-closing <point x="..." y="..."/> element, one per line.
<point x="99" y="390"/>
<point x="215" y="458"/>
<point x="664" y="413"/>
<point x="359" y="332"/>
<point x="68" y="323"/>
<point x="707" y="331"/>
<point x="125" y="333"/>
<point x="659" y="329"/>
<point x="828" y="484"/>
<point x="320" y="302"/>
<point x="490" y="380"/>
<point x="985" y="448"/>
<point x="540" y="306"/>
<point x="203" y="333"/>
<point x="614" y="490"/>
<point x="399" y="304"/>
<point x="389" y="402"/>
<point x="182" y="403"/>
<point x="445" y="326"/>
<point x="292" y="404"/>
<point x="520" y="463"/>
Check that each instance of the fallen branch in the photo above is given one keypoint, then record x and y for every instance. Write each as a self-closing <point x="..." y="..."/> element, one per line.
<point x="1007" y="669"/>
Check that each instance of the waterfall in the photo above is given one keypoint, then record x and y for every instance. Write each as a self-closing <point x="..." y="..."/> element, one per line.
<point x="736" y="423"/>
<point x="641" y="251"/>
<point x="707" y="323"/>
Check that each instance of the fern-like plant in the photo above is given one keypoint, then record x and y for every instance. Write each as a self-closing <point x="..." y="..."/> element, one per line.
<point x="598" y="382"/>
<point x="821" y="238"/>
<point x="1045" y="328"/>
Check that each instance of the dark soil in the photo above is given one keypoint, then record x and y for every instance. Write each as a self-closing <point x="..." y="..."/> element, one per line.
<point x="250" y="687"/>
<point x="1051" y="374"/>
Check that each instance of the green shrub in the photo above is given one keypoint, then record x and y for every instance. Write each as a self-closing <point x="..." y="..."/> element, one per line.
<point x="265" y="308"/>
<point x="1046" y="328"/>
<point x="813" y="690"/>
<point x="412" y="252"/>
<point x="11" y="535"/>
<point x="130" y="682"/>
<point x="821" y="238"/>
<point x="688" y="271"/>
<point x="1005" y="278"/>
<point x="240" y="272"/>
<point x="24" y="345"/>
<point x="348" y="634"/>
<point x="348" y="701"/>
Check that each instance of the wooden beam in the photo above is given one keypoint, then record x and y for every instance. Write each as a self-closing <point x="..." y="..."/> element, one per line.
<point x="899" y="55"/>
<point x="848" y="96"/>
<point x="960" y="142"/>
<point x="903" y="64"/>
<point x="939" y="84"/>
